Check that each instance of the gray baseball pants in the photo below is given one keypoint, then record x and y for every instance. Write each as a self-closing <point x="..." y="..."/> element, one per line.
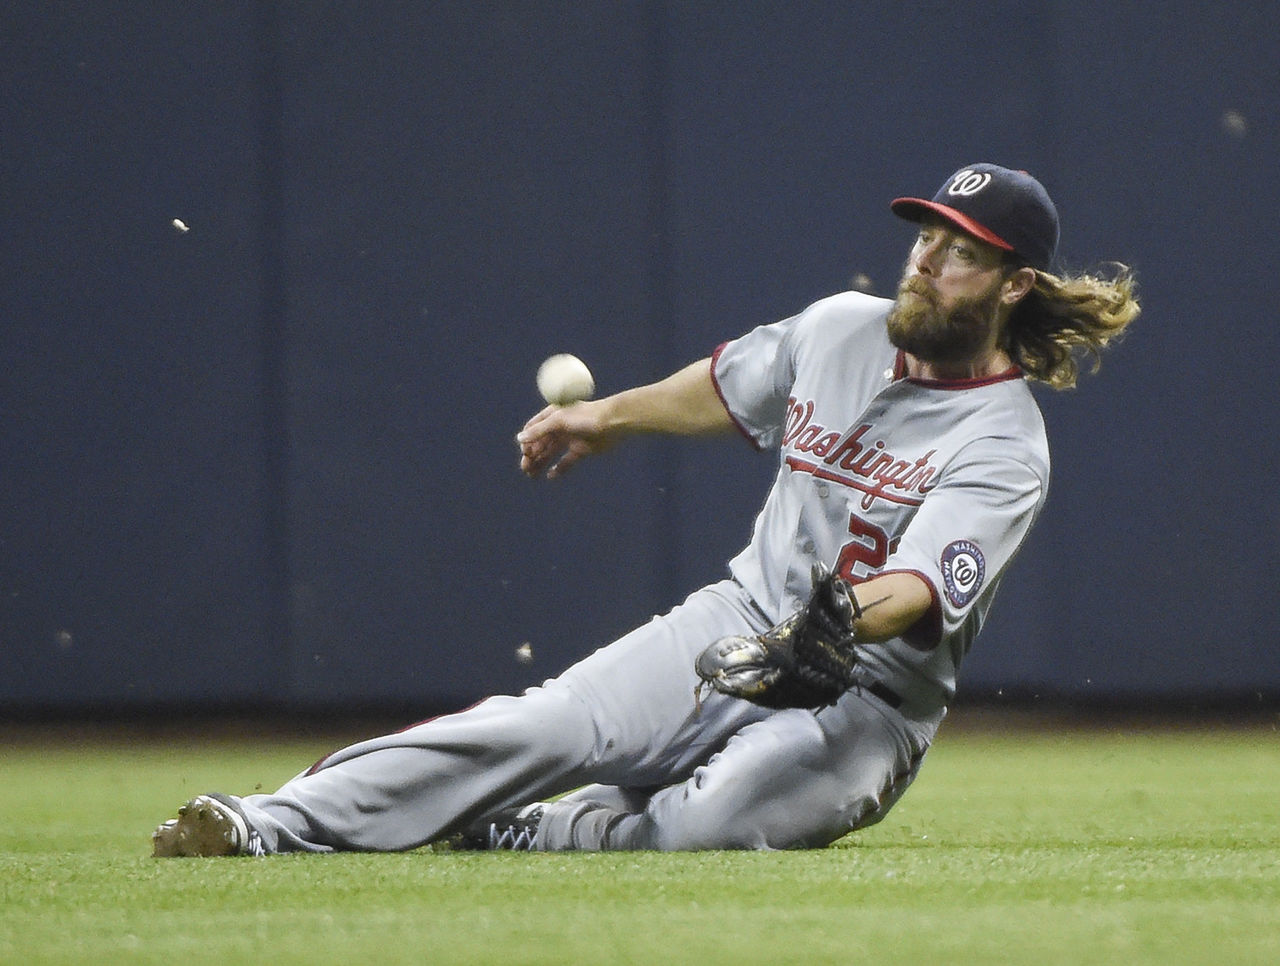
<point x="653" y="768"/>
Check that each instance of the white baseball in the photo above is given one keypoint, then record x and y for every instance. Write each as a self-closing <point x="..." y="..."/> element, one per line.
<point x="564" y="379"/>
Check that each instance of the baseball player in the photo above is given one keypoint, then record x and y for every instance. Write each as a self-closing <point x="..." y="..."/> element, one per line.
<point x="793" y="701"/>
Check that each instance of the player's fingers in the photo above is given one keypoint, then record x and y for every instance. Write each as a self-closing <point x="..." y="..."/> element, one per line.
<point x="557" y="438"/>
<point x="545" y="454"/>
<point x="537" y="424"/>
<point x="534" y="459"/>
<point x="538" y="441"/>
<point x="538" y="465"/>
<point x="568" y="459"/>
<point x="564" y="464"/>
<point x="531" y="446"/>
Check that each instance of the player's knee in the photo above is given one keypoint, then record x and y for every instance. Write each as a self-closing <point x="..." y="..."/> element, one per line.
<point x="714" y="814"/>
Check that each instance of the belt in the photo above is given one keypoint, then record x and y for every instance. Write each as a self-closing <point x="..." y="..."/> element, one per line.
<point x="885" y="694"/>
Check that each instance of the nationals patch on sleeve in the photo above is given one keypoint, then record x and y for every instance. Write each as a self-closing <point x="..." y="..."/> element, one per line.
<point x="963" y="568"/>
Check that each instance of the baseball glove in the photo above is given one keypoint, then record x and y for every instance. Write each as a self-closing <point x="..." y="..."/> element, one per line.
<point x="807" y="661"/>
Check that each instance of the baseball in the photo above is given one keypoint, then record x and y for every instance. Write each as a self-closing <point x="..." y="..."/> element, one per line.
<point x="565" y="379"/>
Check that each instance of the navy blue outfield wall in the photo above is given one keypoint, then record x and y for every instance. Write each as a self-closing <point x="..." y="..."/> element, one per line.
<point x="276" y="278"/>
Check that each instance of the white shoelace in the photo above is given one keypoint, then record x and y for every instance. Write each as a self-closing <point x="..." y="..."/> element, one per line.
<point x="517" y="838"/>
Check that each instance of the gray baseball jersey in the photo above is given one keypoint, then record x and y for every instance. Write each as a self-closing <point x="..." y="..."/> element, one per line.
<point x="881" y="473"/>
<point x="876" y="473"/>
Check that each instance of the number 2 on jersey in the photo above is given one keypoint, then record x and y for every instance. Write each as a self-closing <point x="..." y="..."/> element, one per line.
<point x="869" y="547"/>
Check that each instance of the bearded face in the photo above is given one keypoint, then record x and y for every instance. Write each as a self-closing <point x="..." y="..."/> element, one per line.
<point x="920" y="324"/>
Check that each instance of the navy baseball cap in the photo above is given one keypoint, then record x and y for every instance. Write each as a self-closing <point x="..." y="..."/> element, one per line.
<point x="1006" y="208"/>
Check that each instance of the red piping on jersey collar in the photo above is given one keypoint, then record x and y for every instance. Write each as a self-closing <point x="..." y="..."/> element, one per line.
<point x="900" y="372"/>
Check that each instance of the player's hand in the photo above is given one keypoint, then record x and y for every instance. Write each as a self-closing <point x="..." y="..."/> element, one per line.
<point x="559" y="436"/>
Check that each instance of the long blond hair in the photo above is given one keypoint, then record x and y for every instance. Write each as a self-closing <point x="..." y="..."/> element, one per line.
<point x="1064" y="319"/>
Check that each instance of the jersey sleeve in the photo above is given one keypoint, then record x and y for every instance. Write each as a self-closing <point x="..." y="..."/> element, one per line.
<point x="965" y="534"/>
<point x="753" y="375"/>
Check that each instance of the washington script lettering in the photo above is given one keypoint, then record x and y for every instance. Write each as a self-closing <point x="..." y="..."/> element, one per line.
<point x="850" y="460"/>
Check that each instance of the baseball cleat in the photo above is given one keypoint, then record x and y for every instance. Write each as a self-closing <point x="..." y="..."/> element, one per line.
<point x="511" y="830"/>
<point x="207" y="825"/>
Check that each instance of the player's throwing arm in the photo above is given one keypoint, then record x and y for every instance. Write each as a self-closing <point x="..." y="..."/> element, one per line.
<point x="683" y="404"/>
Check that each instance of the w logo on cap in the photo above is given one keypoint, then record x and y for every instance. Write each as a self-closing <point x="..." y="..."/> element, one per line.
<point x="968" y="182"/>
<point x="1006" y="208"/>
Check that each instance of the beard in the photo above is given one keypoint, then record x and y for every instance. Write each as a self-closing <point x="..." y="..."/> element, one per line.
<point x="918" y="324"/>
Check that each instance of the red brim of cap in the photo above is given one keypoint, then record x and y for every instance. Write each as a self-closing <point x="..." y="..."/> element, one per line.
<point x="913" y="209"/>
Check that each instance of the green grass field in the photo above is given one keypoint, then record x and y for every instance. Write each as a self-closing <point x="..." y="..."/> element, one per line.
<point x="1035" y="845"/>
